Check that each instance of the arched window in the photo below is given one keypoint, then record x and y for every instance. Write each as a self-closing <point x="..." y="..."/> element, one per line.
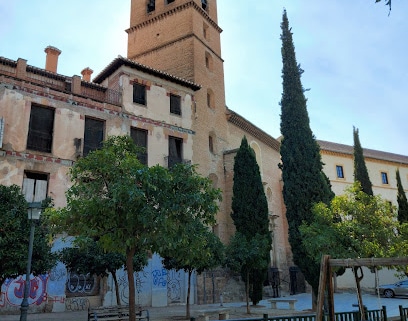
<point x="210" y="98"/>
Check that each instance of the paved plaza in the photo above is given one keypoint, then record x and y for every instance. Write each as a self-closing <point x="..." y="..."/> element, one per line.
<point x="342" y="301"/>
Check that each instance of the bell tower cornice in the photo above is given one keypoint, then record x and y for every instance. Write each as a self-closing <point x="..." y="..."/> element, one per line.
<point x="170" y="12"/>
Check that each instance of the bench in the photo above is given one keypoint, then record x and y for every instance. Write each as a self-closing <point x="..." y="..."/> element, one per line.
<point x="274" y="302"/>
<point x="115" y="313"/>
<point x="204" y="315"/>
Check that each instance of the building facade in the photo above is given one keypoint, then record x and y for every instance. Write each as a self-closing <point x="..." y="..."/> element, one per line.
<point x="169" y="96"/>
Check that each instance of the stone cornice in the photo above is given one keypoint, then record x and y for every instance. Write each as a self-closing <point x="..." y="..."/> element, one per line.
<point x="174" y="10"/>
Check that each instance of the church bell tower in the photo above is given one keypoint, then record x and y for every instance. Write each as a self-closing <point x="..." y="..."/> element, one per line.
<point x="182" y="37"/>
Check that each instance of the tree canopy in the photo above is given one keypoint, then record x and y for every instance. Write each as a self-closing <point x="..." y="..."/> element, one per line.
<point x="243" y="256"/>
<point x="113" y="200"/>
<point x="304" y="182"/>
<point x="360" y="167"/>
<point x="353" y="225"/>
<point x="250" y="214"/>
<point x="192" y="203"/>
<point x="130" y="208"/>
<point x="14" y="236"/>
<point x="202" y="250"/>
<point x="402" y="200"/>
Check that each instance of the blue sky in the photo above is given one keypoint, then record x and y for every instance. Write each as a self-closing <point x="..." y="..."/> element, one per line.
<point x="354" y="57"/>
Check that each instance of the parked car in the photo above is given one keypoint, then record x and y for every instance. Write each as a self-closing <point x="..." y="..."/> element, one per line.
<point x="391" y="290"/>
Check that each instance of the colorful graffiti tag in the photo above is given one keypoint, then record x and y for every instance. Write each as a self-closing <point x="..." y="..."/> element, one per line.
<point x="12" y="291"/>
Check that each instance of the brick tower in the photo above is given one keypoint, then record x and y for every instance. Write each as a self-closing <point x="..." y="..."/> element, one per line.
<point x="182" y="37"/>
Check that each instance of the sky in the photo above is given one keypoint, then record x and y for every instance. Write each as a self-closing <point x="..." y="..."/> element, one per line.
<point x="354" y="54"/>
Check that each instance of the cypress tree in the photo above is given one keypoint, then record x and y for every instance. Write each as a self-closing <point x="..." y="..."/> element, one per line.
<point x="360" y="168"/>
<point x="302" y="168"/>
<point x="402" y="201"/>
<point x="250" y="210"/>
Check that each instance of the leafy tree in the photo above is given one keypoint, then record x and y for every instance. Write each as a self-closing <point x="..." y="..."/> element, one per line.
<point x="250" y="213"/>
<point x="190" y="201"/>
<point x="113" y="200"/>
<point x="402" y="201"/>
<point x="242" y="256"/>
<point x="302" y="170"/>
<point x="14" y="236"/>
<point x="360" y="168"/>
<point x="353" y="225"/>
<point x="89" y="257"/>
<point x="201" y="250"/>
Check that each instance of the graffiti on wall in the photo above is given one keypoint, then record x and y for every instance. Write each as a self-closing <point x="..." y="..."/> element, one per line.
<point x="12" y="291"/>
<point x="83" y="284"/>
<point x="174" y="282"/>
<point x="76" y="304"/>
<point x="159" y="278"/>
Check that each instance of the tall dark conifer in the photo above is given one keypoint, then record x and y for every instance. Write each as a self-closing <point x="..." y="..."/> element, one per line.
<point x="302" y="168"/>
<point x="402" y="201"/>
<point x="360" y="168"/>
<point x="250" y="210"/>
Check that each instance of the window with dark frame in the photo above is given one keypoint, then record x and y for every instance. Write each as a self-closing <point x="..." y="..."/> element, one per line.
<point x="339" y="170"/>
<point x="175" y="104"/>
<point x="93" y="135"/>
<point x="204" y="4"/>
<point x="139" y="94"/>
<point x="384" y="177"/>
<point x="175" y="151"/>
<point x="151" y="6"/>
<point x="169" y="1"/>
<point x="139" y="137"/>
<point x="41" y="128"/>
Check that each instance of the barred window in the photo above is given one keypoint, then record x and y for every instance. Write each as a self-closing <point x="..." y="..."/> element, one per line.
<point x="175" y="104"/>
<point x="139" y="94"/>
<point x="139" y="137"/>
<point x="94" y="134"/>
<point x="40" y="130"/>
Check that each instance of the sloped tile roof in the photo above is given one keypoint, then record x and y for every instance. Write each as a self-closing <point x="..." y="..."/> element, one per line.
<point x="369" y="153"/>
<point x="121" y="61"/>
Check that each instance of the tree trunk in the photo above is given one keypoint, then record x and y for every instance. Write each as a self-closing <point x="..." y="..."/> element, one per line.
<point x="247" y="294"/>
<point x="130" y="253"/>
<point x="115" y="281"/>
<point x="188" y="295"/>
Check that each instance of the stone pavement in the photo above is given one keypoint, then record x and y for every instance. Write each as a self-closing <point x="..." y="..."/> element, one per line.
<point x="342" y="301"/>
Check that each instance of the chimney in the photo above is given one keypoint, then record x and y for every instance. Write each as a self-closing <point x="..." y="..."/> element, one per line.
<point x="86" y="74"/>
<point x="51" y="60"/>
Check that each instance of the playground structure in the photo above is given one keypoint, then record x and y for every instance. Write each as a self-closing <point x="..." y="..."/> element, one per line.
<point x="326" y="280"/>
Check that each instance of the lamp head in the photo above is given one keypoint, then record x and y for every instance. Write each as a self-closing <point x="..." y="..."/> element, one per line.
<point x="34" y="210"/>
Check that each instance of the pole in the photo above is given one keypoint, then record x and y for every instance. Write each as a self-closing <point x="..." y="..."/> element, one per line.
<point x="24" y="303"/>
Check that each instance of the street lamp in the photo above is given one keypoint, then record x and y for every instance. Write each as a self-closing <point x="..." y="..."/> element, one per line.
<point x="34" y="212"/>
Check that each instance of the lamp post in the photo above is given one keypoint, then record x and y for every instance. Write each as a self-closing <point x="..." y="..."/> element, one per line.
<point x="34" y="212"/>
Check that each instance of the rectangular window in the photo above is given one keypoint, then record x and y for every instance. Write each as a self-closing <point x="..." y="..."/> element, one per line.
<point x="169" y="1"/>
<point x="384" y="177"/>
<point x="175" y="151"/>
<point x="151" y="6"/>
<point x="40" y="129"/>
<point x="139" y="137"/>
<point x="94" y="134"/>
<point x="35" y="186"/>
<point x="204" y="4"/>
<point x="339" y="170"/>
<point x="175" y="104"/>
<point x="139" y="94"/>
